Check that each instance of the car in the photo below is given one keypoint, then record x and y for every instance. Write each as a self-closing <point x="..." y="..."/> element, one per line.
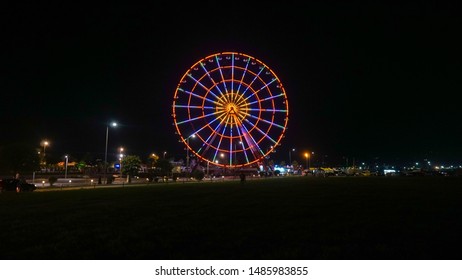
<point x="16" y="185"/>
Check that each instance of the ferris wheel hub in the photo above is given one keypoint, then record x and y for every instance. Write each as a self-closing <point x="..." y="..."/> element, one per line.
<point x="231" y="108"/>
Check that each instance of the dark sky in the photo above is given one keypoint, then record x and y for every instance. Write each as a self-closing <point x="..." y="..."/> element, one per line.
<point x="367" y="81"/>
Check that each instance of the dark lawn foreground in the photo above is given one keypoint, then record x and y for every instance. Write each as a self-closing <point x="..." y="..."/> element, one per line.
<point x="281" y="218"/>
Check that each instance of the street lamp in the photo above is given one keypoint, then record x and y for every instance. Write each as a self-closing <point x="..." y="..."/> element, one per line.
<point x="235" y="151"/>
<point x="290" y="156"/>
<point x="308" y="160"/>
<point x="154" y="159"/>
<point x="120" y="160"/>
<point x="187" y="150"/>
<point x="65" y="172"/>
<point x="45" y="143"/>
<point x="113" y="124"/>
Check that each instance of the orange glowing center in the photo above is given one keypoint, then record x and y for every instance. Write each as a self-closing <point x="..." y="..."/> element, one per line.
<point x="232" y="108"/>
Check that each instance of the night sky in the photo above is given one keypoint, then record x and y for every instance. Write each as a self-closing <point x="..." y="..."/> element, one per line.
<point x="374" y="82"/>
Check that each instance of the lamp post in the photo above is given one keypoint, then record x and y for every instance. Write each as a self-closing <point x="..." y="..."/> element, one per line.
<point x="222" y="156"/>
<point x="45" y="143"/>
<point x="65" y="172"/>
<point x="121" y="155"/>
<point x="113" y="124"/>
<point x="308" y="160"/>
<point x="187" y="150"/>
<point x="290" y="156"/>
<point x="235" y="151"/>
<point x="154" y="159"/>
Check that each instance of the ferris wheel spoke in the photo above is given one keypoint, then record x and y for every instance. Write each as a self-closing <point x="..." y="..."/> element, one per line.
<point x="215" y="84"/>
<point x="219" y="142"/>
<point x="260" y="89"/>
<point x="231" y="140"/>
<point x="266" y="121"/>
<point x="254" y="79"/>
<point x="197" y="95"/>
<point x="207" y="125"/>
<point x="239" y="100"/>
<point x="263" y="133"/>
<point x="196" y="118"/>
<point x="241" y="137"/>
<point x="202" y="85"/>
<point x="252" y="143"/>
<point x="268" y="110"/>
<point x="212" y="135"/>
<point x="236" y="123"/>
<point x="243" y="75"/>
<point x="232" y="73"/>
<point x="221" y="73"/>
<point x="267" y="98"/>
<point x="194" y="107"/>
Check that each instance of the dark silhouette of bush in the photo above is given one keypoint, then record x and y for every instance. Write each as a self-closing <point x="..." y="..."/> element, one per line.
<point x="52" y="180"/>
<point x="242" y="177"/>
<point x="175" y="176"/>
<point x="198" y="175"/>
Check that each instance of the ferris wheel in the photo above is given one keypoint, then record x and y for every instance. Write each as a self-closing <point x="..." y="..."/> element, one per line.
<point x="230" y="109"/>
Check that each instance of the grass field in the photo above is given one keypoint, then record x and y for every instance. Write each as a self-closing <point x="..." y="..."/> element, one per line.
<point x="354" y="218"/>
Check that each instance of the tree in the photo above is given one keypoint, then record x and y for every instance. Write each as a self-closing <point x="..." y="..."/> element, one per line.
<point x="165" y="167"/>
<point x="81" y="165"/>
<point x="131" y="166"/>
<point x="19" y="158"/>
<point x="295" y="165"/>
<point x="153" y="158"/>
<point x="176" y="171"/>
<point x="52" y="180"/>
<point x="198" y="174"/>
<point x="85" y="160"/>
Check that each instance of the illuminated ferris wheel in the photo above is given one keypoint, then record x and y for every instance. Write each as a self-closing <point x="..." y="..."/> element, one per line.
<point x="230" y="110"/>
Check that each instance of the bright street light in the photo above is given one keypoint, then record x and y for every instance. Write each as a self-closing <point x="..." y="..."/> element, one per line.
<point x="121" y="155"/>
<point x="45" y="143"/>
<point x="290" y="156"/>
<point x="235" y="151"/>
<point x="187" y="150"/>
<point x="113" y="124"/>
<point x="65" y="172"/>
<point x="308" y="160"/>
